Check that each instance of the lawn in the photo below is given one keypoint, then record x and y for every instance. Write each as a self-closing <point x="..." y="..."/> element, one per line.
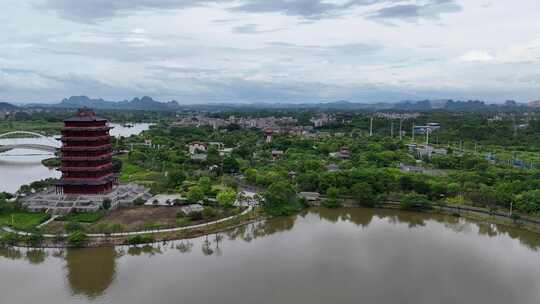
<point x="23" y="220"/>
<point x="85" y="217"/>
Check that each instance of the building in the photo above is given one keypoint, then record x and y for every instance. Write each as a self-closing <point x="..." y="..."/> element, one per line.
<point x="428" y="151"/>
<point x="277" y="154"/>
<point x="332" y="168"/>
<point x="86" y="155"/>
<point x="343" y="153"/>
<point x="310" y="196"/>
<point x="268" y="132"/>
<point x="197" y="147"/>
<point x="430" y="127"/>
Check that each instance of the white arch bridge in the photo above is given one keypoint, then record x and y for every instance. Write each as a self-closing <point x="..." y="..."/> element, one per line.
<point x="28" y="141"/>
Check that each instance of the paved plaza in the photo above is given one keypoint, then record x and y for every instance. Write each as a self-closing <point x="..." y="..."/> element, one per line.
<point x="50" y="202"/>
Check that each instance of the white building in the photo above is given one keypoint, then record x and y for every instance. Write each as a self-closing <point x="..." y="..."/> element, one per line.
<point x="197" y="147"/>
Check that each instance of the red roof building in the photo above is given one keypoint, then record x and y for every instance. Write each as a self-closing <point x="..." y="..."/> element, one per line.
<point x="86" y="155"/>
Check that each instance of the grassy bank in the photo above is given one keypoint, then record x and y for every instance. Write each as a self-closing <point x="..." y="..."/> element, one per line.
<point x="23" y="220"/>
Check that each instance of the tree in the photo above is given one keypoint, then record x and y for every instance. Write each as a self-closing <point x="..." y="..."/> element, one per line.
<point x="205" y="183"/>
<point x="175" y="178"/>
<point x="230" y="165"/>
<point x="280" y="199"/>
<point x="251" y="175"/>
<point x="106" y="203"/>
<point x="137" y="157"/>
<point x="212" y="157"/>
<point x="117" y="165"/>
<point x="332" y="198"/>
<point x="308" y="181"/>
<point x="528" y="202"/>
<point x="77" y="238"/>
<point x="195" y="194"/>
<point x="226" y="197"/>
<point x="364" y="194"/>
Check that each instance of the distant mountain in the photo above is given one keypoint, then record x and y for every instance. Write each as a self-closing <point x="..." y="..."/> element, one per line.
<point x="423" y="105"/>
<point x="144" y="103"/>
<point x="148" y="104"/>
<point x="4" y="106"/>
<point x="534" y="104"/>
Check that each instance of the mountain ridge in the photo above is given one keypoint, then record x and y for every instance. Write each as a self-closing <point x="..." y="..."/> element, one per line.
<point x="147" y="103"/>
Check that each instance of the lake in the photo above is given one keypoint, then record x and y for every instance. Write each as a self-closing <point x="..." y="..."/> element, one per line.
<point x="19" y="167"/>
<point x="320" y="256"/>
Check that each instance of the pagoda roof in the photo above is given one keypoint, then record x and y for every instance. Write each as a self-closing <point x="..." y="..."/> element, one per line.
<point x="85" y="169"/>
<point x="87" y="148"/>
<point x="86" y="182"/>
<point x="99" y="128"/>
<point x="85" y="119"/>
<point x="85" y="115"/>
<point x="85" y="138"/>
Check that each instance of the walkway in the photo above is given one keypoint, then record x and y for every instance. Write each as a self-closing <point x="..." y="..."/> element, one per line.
<point x="95" y="235"/>
<point x="48" y="221"/>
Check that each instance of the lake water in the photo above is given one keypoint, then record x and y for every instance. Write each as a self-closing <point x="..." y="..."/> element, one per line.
<point x="321" y="256"/>
<point x="20" y="166"/>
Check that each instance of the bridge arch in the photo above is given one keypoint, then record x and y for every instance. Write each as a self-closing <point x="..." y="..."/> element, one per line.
<point x="49" y="145"/>
<point x="22" y="132"/>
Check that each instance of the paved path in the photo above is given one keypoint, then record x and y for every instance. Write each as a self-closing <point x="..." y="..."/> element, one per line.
<point x="48" y="221"/>
<point x="250" y="208"/>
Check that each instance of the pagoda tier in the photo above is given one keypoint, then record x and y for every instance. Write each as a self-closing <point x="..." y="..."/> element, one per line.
<point x="86" y="155"/>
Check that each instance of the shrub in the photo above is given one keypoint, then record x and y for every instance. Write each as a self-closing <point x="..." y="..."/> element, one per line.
<point x="196" y="216"/>
<point x="10" y="238"/>
<point x="139" y="201"/>
<point x="415" y="202"/>
<point x="178" y="202"/>
<point x="77" y="239"/>
<point x="195" y="194"/>
<point x="140" y="239"/>
<point x="209" y="212"/>
<point x="106" y="204"/>
<point x="35" y="239"/>
<point x="183" y="221"/>
<point x="332" y="201"/>
<point x="73" y="226"/>
<point x="226" y="197"/>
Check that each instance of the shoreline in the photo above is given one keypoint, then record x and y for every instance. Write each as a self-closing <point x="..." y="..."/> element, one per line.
<point x="249" y="216"/>
<point x="156" y="235"/>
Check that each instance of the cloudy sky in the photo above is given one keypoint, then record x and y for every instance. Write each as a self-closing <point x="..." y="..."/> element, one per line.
<point x="198" y="51"/>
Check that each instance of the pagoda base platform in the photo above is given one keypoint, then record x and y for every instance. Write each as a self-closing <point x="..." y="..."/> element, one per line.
<point x="53" y="203"/>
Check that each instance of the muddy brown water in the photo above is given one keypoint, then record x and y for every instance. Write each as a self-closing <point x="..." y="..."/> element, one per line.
<point x="319" y="256"/>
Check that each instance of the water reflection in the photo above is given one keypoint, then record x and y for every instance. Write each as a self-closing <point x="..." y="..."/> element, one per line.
<point x="36" y="256"/>
<point x="90" y="271"/>
<point x="342" y="250"/>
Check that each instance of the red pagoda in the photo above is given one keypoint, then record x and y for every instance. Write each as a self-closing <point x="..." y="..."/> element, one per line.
<point x="86" y="155"/>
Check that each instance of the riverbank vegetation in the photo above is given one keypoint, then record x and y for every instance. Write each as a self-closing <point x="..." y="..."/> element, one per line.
<point x="13" y="216"/>
<point x="487" y="160"/>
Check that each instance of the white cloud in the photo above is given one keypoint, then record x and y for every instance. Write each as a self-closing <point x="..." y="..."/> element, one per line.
<point x="477" y="56"/>
<point x="200" y="50"/>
